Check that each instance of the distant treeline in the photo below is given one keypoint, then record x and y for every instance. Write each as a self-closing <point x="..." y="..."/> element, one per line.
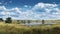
<point x="9" y="20"/>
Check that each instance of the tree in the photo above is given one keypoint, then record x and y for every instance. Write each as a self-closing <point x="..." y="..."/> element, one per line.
<point x="42" y="21"/>
<point x="28" y="21"/>
<point x="1" y="19"/>
<point x="8" y="20"/>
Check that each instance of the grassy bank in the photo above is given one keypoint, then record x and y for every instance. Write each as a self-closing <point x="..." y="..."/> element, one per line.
<point x="20" y="29"/>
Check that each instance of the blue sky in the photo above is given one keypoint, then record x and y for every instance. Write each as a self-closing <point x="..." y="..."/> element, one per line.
<point x="21" y="3"/>
<point x="30" y="9"/>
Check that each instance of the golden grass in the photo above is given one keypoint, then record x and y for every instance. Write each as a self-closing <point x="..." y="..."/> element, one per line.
<point x="6" y="28"/>
<point x="14" y="28"/>
<point x="27" y="27"/>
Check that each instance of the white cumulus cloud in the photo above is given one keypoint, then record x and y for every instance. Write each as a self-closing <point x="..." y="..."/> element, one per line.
<point x="37" y="12"/>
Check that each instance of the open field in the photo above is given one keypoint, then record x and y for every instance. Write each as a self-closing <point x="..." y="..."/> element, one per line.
<point x="6" y="28"/>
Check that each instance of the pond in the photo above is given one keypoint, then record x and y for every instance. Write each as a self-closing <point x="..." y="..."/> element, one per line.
<point x="37" y="24"/>
<point x="32" y="24"/>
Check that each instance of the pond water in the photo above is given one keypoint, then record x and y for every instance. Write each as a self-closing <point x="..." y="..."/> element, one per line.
<point x="37" y="24"/>
<point x="31" y="24"/>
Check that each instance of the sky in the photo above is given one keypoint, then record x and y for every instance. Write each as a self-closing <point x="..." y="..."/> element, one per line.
<point x="30" y="9"/>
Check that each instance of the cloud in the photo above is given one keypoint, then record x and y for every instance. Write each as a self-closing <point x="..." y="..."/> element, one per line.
<point x="37" y="12"/>
<point x="44" y="6"/>
<point x="47" y="11"/>
<point x="2" y="8"/>
<point x="25" y="6"/>
<point x="16" y="9"/>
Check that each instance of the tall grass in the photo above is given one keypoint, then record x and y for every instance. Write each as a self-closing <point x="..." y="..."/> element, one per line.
<point x="20" y="29"/>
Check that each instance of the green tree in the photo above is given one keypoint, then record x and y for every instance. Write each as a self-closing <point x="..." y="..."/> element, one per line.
<point x="8" y="20"/>
<point x="1" y="19"/>
<point x="42" y="21"/>
<point x="28" y="21"/>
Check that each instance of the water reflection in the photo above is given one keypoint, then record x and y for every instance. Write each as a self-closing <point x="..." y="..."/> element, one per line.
<point x="38" y="23"/>
<point x="31" y="24"/>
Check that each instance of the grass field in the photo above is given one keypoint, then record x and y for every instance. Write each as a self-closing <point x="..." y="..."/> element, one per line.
<point x="6" y="28"/>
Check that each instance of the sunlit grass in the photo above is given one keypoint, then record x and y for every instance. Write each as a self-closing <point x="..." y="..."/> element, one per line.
<point x="6" y="28"/>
